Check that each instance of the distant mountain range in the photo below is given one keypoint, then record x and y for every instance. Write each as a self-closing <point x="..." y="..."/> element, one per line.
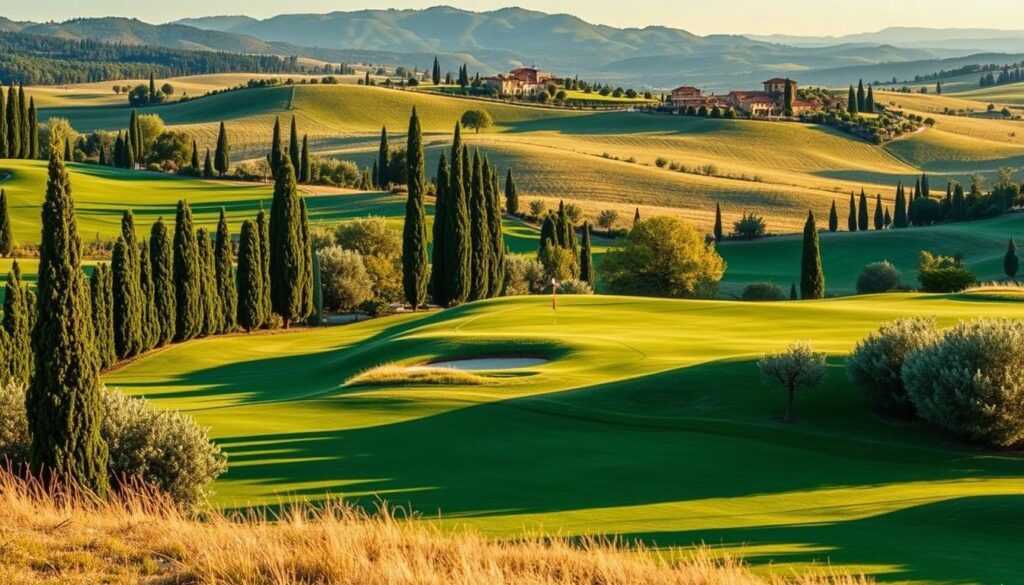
<point x="489" y="42"/>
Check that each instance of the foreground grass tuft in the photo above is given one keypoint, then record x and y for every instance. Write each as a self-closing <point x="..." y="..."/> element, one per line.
<point x="141" y="538"/>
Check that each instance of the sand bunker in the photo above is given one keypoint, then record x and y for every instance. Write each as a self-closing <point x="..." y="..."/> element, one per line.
<point x="484" y="364"/>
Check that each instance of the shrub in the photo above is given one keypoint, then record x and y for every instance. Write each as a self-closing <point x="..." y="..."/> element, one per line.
<point x="381" y="249"/>
<point x="164" y="449"/>
<point x="575" y="287"/>
<point x="749" y="226"/>
<point x="660" y="162"/>
<point x="663" y="256"/>
<point x="320" y="237"/>
<point x="943" y="273"/>
<point x="523" y="275"/>
<point x="346" y="284"/>
<point x="762" y="291"/>
<point x="607" y="218"/>
<point x="971" y="382"/>
<point x="878" y="277"/>
<point x="537" y="207"/>
<point x="797" y="367"/>
<point x="876" y="363"/>
<point x="574" y="213"/>
<point x="559" y="263"/>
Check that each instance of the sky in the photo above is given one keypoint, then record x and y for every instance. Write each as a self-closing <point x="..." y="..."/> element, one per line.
<point x="796" y="17"/>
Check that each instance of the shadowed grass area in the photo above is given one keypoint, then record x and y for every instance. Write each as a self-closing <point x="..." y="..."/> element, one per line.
<point x="650" y="420"/>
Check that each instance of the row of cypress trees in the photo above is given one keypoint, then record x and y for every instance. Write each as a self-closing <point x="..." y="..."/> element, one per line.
<point x="130" y="151"/>
<point x="299" y="157"/>
<point x="468" y="246"/>
<point x="19" y="125"/>
<point x="859" y="101"/>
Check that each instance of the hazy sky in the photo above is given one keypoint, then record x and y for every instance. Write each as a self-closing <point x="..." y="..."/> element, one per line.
<point x="803" y="17"/>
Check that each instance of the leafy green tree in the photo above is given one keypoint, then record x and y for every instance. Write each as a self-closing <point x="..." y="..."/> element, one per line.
<point x="457" y="229"/>
<point x="477" y="120"/>
<point x="812" y="278"/>
<point x="414" y="234"/>
<point x="833" y="218"/>
<point x="383" y="160"/>
<point x="1011" y="263"/>
<point x="225" y="275"/>
<point x="100" y="285"/>
<point x="797" y="367"/>
<point x="161" y="260"/>
<point x="17" y="334"/>
<point x="64" y="401"/>
<point x="250" y="278"/>
<point x="586" y="258"/>
<point x="209" y="294"/>
<point x="6" y="232"/>
<point x="718" y="224"/>
<point x="851" y="221"/>
<point x="286" y="249"/>
<point x="222" y="158"/>
<point x="511" y="194"/>
<point x="187" y="276"/>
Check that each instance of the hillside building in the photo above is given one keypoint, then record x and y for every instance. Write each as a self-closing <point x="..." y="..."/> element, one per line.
<point x="523" y="81"/>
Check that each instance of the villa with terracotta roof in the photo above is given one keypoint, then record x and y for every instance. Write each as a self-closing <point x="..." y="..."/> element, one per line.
<point x="754" y="103"/>
<point x="522" y="81"/>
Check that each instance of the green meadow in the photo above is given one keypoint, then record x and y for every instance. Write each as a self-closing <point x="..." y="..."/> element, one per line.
<point x="649" y="421"/>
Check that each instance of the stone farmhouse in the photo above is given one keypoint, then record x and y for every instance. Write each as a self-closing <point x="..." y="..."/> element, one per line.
<point x="524" y="81"/>
<point x="757" y="104"/>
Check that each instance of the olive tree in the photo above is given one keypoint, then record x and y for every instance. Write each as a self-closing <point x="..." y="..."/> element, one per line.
<point x="876" y="363"/>
<point x="799" y="366"/>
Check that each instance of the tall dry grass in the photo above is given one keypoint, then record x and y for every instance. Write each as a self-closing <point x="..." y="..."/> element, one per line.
<point x="394" y="374"/>
<point x="141" y="537"/>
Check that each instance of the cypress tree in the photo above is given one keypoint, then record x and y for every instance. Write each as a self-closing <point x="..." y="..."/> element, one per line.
<point x="3" y="125"/>
<point x="23" y="121"/>
<point x="636" y="217"/>
<point x="862" y="216"/>
<point x="383" y="160"/>
<point x="152" y="88"/>
<point x="959" y="203"/>
<point x="833" y="218"/>
<point x="439" y="276"/>
<point x="306" y="169"/>
<point x="64" y="402"/>
<point x="457" y="229"/>
<point x="133" y="133"/>
<point x="900" y="219"/>
<point x="188" y="322"/>
<point x="196" y="168"/>
<point x="17" y="330"/>
<point x="209" y="295"/>
<point x="102" y="314"/>
<point x="511" y="194"/>
<point x="436" y="73"/>
<point x="293" y="147"/>
<point x="586" y="258"/>
<point x="222" y="158"/>
<point x="496" y="237"/>
<point x="33" y="130"/>
<point x="926" y="190"/>
<point x="129" y="154"/>
<point x="118" y="151"/>
<point x="250" y="278"/>
<point x="888" y="218"/>
<point x="307" y="263"/>
<point x="792" y="292"/>
<point x="548" y="232"/>
<point x="208" y="166"/>
<point x="13" y="124"/>
<point x="414" y="233"/>
<point x="375" y="176"/>
<point x="879" y="215"/>
<point x="263" y="231"/>
<point x="479" y="235"/>
<point x="861" y="97"/>
<point x="869" y="101"/>
<point x="286" y="253"/>
<point x="1011" y="263"/>
<point x="851" y="103"/>
<point x="6" y="232"/>
<point x="139" y="146"/>
<point x="161" y="261"/>
<point x="275" y="148"/>
<point x="127" y="312"/>
<point x="150" y="319"/>
<point x="851" y="221"/>
<point x="812" y="278"/>
<point x="103" y="158"/>
<point x="718" y="223"/>
<point x="225" y="275"/>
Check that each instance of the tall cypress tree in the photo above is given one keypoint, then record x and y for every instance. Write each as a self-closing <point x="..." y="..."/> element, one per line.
<point x="959" y="203"/>
<point x="152" y="88"/>
<point x="718" y="223"/>
<point x="511" y="194"/>
<point x="131" y="285"/>
<point x="383" y="160"/>
<point x="851" y="103"/>
<point x="33" y="130"/>
<point x="195" y="164"/>
<point x="222" y="158"/>
<point x="439" y="273"/>
<point x="150" y="319"/>
<point x="479" y="235"/>
<point x="812" y="278"/>
<point x="414" y="232"/>
<point x="226" y="289"/>
<point x="276" y="151"/>
<point x="861" y="97"/>
<point x="13" y="124"/>
<point x="127" y="312"/>
<point x="69" y="151"/>
<point x="209" y="295"/>
<point x="6" y="232"/>
<point x="208" y="166"/>
<point x="926" y="190"/>
<point x="263" y="231"/>
<point x="862" y="216"/>
<point x="188" y="322"/>
<point x="4" y="152"/>
<point x="586" y="258"/>
<point x="23" y="121"/>
<point x="100" y="285"/>
<point x="900" y="219"/>
<point x="548" y="232"/>
<point x="851" y="221"/>
<point x="286" y="253"/>
<point x="305" y="165"/>
<point x="636" y="217"/>
<point x="64" y="401"/>
<point x="1011" y="263"/>
<point x="833" y="218"/>
<point x="250" y="278"/>
<point x="306" y="291"/>
<point x="129" y="154"/>
<point x="293" y="148"/>
<point x="133" y="132"/>
<point x="497" y="238"/>
<point x="458" y="254"/>
<point x="869" y="101"/>
<point x="436" y="73"/>
<point x="879" y="215"/>
<point x="887" y="220"/>
<point x="17" y="328"/>
<point x="161" y="261"/>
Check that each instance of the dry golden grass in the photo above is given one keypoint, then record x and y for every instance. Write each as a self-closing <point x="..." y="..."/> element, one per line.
<point x="393" y="374"/>
<point x="141" y="538"/>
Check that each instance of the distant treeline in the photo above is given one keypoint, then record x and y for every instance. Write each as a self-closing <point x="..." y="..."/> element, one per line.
<point x="965" y="70"/>
<point x="40" y="60"/>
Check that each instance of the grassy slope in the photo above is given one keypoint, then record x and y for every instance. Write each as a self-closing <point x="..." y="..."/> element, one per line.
<point x="651" y="421"/>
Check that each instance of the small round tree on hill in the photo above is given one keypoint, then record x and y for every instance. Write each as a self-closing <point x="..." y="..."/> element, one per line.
<point x="477" y="120"/>
<point x="797" y="367"/>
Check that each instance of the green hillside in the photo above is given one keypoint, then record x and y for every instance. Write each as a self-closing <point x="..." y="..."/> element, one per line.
<point x="649" y="421"/>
